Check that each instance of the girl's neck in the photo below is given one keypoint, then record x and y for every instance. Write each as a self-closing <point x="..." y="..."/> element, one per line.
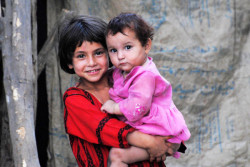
<point x="98" y="89"/>
<point x="94" y="86"/>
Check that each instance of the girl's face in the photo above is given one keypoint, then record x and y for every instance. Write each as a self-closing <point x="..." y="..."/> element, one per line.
<point x="126" y="51"/>
<point x="90" y="61"/>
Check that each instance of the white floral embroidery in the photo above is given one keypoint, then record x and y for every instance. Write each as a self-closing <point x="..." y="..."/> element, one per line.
<point x="138" y="109"/>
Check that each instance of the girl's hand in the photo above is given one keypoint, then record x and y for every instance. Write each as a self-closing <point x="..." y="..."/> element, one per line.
<point x="160" y="147"/>
<point x="173" y="147"/>
<point x="157" y="146"/>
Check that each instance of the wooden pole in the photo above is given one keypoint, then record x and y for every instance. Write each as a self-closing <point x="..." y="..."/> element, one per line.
<point x="34" y="53"/>
<point x="18" y="81"/>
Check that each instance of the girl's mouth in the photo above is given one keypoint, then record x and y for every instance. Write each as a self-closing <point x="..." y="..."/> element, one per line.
<point x="93" y="71"/>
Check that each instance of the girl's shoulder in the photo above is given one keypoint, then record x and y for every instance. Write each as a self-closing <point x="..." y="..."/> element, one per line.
<point x="74" y="91"/>
<point x="71" y="91"/>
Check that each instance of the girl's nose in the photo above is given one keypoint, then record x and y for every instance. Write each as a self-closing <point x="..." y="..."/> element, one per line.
<point x="92" y="61"/>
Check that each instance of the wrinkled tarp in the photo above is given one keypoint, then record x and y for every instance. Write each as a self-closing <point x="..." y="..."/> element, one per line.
<point x="202" y="48"/>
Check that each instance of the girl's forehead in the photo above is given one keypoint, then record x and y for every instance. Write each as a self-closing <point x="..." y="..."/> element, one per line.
<point x="87" y="46"/>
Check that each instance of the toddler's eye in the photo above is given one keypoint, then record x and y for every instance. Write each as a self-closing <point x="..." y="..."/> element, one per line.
<point x="128" y="47"/>
<point x="112" y="50"/>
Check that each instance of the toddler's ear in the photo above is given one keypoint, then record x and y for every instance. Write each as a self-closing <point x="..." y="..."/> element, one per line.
<point x="70" y="66"/>
<point x="148" y="46"/>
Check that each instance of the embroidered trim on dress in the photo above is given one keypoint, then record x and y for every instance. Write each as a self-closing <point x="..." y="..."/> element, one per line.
<point x="100" y="127"/>
<point x="79" y="158"/>
<point x="127" y="127"/>
<point x="90" y="161"/>
<point x="99" y="154"/>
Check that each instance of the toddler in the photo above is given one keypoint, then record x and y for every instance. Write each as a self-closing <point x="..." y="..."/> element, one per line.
<point x="141" y="97"/>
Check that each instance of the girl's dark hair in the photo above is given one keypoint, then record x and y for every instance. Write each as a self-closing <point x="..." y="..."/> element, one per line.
<point x="133" y="21"/>
<point x="73" y="32"/>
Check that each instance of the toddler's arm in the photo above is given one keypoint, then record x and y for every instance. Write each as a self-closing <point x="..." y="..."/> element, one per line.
<point x="140" y="96"/>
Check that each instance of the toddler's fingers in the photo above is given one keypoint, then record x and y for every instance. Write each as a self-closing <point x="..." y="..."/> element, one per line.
<point x="103" y="109"/>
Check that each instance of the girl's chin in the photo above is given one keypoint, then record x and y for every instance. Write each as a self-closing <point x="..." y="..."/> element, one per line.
<point x="94" y="79"/>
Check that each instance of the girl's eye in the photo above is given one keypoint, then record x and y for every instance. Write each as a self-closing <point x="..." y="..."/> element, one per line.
<point x="99" y="53"/>
<point x="81" y="56"/>
<point x="128" y="47"/>
<point x="112" y="50"/>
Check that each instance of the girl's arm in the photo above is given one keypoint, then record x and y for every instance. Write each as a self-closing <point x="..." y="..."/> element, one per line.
<point x="157" y="146"/>
<point x="84" y="119"/>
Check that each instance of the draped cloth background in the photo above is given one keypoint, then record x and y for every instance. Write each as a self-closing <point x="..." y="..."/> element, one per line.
<point x="202" y="48"/>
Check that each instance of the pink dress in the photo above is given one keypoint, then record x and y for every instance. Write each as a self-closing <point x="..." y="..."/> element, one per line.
<point x="145" y="99"/>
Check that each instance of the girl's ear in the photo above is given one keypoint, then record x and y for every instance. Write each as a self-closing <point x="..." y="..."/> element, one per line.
<point x="148" y="46"/>
<point x="70" y="66"/>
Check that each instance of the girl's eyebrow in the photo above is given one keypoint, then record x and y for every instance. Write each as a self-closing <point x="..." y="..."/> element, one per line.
<point x="99" y="49"/>
<point x="78" y="52"/>
<point x="96" y="50"/>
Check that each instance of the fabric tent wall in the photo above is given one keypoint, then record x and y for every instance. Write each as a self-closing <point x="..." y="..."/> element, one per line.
<point x="202" y="48"/>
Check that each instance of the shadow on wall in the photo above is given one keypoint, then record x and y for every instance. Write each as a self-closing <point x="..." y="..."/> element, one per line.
<point x="42" y="119"/>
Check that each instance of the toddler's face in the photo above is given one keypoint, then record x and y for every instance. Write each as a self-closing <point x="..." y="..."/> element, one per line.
<point x="126" y="51"/>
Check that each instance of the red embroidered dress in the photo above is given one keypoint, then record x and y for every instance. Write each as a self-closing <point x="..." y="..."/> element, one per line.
<point x="91" y="132"/>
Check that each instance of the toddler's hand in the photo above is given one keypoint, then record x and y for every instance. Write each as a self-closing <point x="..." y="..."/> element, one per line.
<point x="109" y="107"/>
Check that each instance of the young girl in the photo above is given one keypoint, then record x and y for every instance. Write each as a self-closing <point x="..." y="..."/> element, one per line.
<point x="141" y="97"/>
<point x="82" y="51"/>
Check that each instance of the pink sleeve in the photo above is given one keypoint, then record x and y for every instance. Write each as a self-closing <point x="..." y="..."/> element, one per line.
<point x="140" y="96"/>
